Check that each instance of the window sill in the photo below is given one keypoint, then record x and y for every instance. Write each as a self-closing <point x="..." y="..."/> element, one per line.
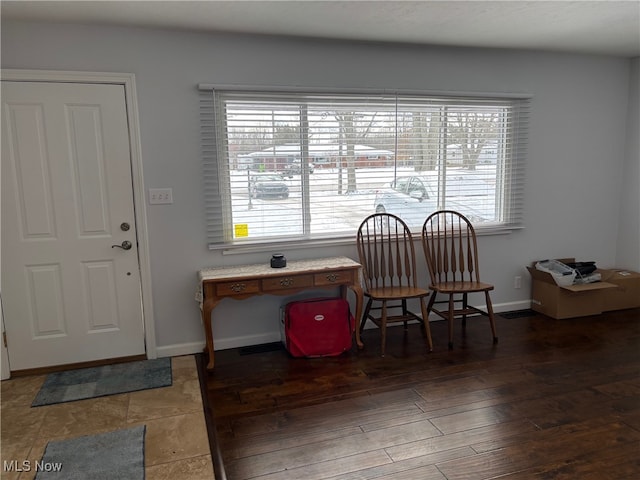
<point x="278" y="245"/>
<point x="298" y="244"/>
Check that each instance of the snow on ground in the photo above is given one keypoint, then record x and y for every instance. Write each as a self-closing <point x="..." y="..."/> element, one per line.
<point x="331" y="213"/>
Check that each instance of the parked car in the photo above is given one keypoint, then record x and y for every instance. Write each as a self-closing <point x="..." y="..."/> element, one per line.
<point x="295" y="168"/>
<point x="414" y="198"/>
<point x="410" y="198"/>
<point x="268" y="185"/>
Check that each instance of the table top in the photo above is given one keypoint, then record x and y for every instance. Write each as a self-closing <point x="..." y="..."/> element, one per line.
<point x="265" y="270"/>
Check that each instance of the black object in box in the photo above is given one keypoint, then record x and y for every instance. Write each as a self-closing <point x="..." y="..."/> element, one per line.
<point x="567" y="301"/>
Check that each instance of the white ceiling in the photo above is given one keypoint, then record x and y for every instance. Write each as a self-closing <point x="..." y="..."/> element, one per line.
<point x="598" y="27"/>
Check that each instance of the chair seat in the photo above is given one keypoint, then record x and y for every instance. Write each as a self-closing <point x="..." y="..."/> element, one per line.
<point x="461" y="287"/>
<point x="394" y="293"/>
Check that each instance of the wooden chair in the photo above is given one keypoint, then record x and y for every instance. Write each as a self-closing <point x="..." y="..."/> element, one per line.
<point x="387" y="256"/>
<point x="450" y="248"/>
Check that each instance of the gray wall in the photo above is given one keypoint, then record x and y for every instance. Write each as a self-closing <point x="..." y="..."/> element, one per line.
<point x="628" y="252"/>
<point x="580" y="148"/>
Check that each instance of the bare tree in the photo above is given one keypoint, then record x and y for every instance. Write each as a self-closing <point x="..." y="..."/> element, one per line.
<point x="352" y="133"/>
<point x="427" y="128"/>
<point x="472" y="131"/>
<point x="286" y="133"/>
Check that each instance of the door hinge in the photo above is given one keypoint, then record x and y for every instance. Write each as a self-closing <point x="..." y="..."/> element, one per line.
<point x="4" y="339"/>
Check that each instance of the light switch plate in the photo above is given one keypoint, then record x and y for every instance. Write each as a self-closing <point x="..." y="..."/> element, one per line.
<point x="160" y="196"/>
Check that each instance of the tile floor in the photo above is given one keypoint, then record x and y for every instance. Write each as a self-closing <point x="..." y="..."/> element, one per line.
<point x="176" y="442"/>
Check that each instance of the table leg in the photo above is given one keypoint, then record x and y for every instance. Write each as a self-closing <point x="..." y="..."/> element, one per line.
<point x="207" y="308"/>
<point x="357" y="290"/>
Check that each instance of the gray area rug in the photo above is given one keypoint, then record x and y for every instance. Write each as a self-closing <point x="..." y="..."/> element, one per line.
<point x="115" y="455"/>
<point x="105" y="380"/>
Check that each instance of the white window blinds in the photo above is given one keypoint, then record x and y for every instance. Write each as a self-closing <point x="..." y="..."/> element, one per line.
<point x="282" y="166"/>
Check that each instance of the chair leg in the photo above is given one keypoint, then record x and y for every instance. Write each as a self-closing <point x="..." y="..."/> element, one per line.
<point x="432" y="300"/>
<point x="464" y="307"/>
<point x="425" y="324"/>
<point x="383" y="327"/>
<point x="492" y="321"/>
<point x="404" y="311"/>
<point x="365" y="315"/>
<point x="450" y="321"/>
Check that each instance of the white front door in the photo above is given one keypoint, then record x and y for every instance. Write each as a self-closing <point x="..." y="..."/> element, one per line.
<point x="71" y="292"/>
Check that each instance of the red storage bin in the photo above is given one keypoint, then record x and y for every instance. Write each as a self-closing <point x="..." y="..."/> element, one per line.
<point x="319" y="327"/>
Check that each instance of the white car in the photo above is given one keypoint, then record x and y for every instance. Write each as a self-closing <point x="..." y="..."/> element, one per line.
<point x="414" y="198"/>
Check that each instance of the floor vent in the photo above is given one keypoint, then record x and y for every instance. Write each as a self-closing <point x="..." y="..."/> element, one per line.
<point x="518" y="313"/>
<point x="263" y="348"/>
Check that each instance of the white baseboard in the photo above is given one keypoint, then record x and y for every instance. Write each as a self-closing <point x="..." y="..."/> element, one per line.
<point x="220" y="344"/>
<point x="497" y="308"/>
<point x="510" y="306"/>
<point x="269" y="337"/>
<point x="247" y="340"/>
<point x="180" y="349"/>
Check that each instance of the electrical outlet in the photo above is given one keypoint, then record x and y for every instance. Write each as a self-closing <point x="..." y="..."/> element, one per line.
<point x="160" y="196"/>
<point x="517" y="281"/>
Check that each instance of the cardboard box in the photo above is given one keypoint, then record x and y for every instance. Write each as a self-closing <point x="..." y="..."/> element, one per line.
<point x="568" y="301"/>
<point x="627" y="291"/>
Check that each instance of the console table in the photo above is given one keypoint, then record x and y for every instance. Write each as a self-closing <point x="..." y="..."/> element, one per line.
<point x="246" y="281"/>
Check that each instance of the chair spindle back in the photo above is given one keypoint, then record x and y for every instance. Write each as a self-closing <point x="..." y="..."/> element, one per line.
<point x="449" y="242"/>
<point x="386" y="252"/>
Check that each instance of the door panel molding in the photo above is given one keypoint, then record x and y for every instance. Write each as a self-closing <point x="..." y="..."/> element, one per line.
<point x="127" y="80"/>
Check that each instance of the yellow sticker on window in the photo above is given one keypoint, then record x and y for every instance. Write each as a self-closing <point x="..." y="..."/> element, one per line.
<point x="241" y="230"/>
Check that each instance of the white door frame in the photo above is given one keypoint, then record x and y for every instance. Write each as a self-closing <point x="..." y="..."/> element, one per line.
<point x="127" y="80"/>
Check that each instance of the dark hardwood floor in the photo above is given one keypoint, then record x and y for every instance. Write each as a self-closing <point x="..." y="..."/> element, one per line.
<point x="554" y="399"/>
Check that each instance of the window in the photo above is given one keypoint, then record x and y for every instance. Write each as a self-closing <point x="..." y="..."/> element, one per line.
<point x="283" y="166"/>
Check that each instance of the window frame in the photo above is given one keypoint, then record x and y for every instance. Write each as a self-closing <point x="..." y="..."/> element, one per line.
<point x="216" y="165"/>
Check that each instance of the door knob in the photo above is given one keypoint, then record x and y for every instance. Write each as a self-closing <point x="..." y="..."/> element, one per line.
<point x="126" y="245"/>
